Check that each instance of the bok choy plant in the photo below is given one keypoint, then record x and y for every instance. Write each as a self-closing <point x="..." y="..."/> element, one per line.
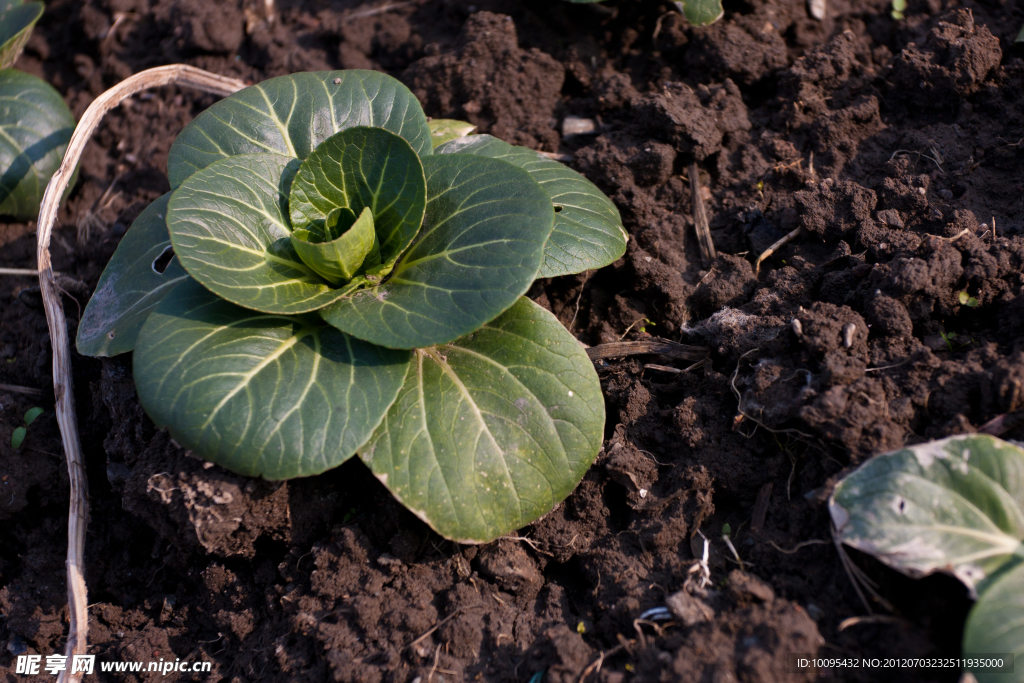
<point x="340" y="286"/>
<point x="953" y="506"/>
<point x="35" y="124"/>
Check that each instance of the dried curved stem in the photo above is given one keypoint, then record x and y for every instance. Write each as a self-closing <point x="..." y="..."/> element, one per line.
<point x="177" y="74"/>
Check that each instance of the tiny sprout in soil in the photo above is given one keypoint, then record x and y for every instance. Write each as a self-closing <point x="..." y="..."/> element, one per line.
<point x="19" y="434"/>
<point x="347" y="279"/>
<point x="967" y="300"/>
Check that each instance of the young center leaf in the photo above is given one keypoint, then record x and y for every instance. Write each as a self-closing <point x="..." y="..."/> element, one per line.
<point x="996" y="625"/>
<point x="478" y="251"/>
<point x="131" y="286"/>
<point x="260" y="394"/>
<point x="35" y="127"/>
<point x="363" y="168"/>
<point x="16" y="22"/>
<point x="292" y="115"/>
<point x="335" y="257"/>
<point x="955" y="505"/>
<point x="229" y="226"/>
<point x="588" y="230"/>
<point x="493" y="430"/>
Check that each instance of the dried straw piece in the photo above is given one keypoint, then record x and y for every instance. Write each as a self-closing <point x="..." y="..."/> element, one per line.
<point x="175" y="74"/>
<point x="700" y="220"/>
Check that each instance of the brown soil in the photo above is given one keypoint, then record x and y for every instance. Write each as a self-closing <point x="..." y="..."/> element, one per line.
<point x="895" y="145"/>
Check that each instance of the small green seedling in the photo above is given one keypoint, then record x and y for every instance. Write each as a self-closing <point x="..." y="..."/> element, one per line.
<point x="951" y="340"/>
<point x="966" y="299"/>
<point x="342" y="284"/>
<point x="898" y="8"/>
<point x="35" y="124"/>
<point x="697" y="12"/>
<point x="727" y="537"/>
<point x="18" y="435"/>
<point x="954" y="506"/>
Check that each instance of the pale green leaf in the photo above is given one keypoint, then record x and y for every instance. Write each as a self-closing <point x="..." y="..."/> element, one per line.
<point x="229" y="227"/>
<point x="952" y="505"/>
<point x="493" y="430"/>
<point x="16" y="23"/>
<point x="588" y="230"/>
<point x="363" y="168"/>
<point x="340" y="259"/>
<point x="444" y="130"/>
<point x="479" y="250"/>
<point x="35" y="127"/>
<point x="996" y="625"/>
<point x="130" y="286"/>
<point x="701" y="12"/>
<point x="292" y="115"/>
<point x="262" y="395"/>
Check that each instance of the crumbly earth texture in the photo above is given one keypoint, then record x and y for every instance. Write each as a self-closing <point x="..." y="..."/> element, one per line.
<point x="894" y="146"/>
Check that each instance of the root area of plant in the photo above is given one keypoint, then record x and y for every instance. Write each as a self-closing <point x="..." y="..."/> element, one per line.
<point x="896" y="315"/>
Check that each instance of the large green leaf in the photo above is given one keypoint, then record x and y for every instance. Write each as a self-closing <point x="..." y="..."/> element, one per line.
<point x="588" y="231"/>
<point x="953" y="505"/>
<point x="35" y="127"/>
<point x="996" y="625"/>
<point x="479" y="250"/>
<point x="16" y="22"/>
<point x="493" y="430"/>
<point x="262" y="395"/>
<point x="363" y="168"/>
<point x="130" y="286"/>
<point x="291" y="115"/>
<point x="230" y="230"/>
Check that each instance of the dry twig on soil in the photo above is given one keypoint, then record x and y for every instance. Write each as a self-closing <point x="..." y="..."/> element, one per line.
<point x="663" y="347"/>
<point x="175" y="74"/>
<point x="700" y="220"/>
<point x="775" y="247"/>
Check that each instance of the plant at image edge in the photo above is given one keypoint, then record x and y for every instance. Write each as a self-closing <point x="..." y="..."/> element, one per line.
<point x="697" y="12"/>
<point x="35" y="124"/>
<point x="955" y="506"/>
<point x="340" y="286"/>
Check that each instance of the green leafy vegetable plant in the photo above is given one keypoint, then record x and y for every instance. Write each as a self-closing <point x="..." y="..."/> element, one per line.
<point x="19" y="434"/>
<point x="697" y="12"/>
<point x="348" y="278"/>
<point x="35" y="124"/>
<point x="954" y="506"/>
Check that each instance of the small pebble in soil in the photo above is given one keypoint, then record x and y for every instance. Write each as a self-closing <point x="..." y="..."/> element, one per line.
<point x="577" y="125"/>
<point x="798" y="328"/>
<point x="848" y="331"/>
<point x="16" y="646"/>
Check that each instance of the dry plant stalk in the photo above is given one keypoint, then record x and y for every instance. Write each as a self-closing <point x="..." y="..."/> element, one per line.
<point x="175" y="74"/>
<point x="662" y="347"/>
<point x="700" y="220"/>
<point x="775" y="247"/>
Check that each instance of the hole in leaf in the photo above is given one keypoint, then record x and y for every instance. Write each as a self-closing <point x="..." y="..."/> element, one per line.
<point x="558" y="208"/>
<point x="161" y="262"/>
